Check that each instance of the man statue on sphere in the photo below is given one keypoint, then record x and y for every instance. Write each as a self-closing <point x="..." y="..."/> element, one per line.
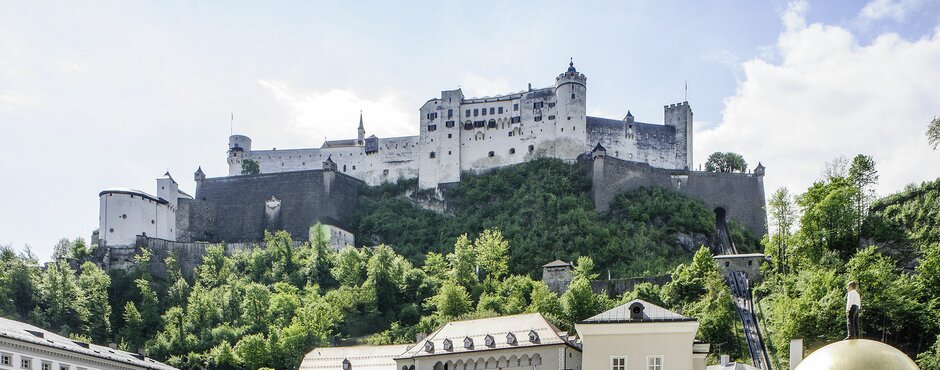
<point x="853" y="303"/>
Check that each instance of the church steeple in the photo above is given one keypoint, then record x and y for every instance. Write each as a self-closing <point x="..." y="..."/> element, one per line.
<point x="362" y="130"/>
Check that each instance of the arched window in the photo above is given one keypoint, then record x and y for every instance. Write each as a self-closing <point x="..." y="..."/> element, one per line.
<point x="432" y="155"/>
<point x="531" y="148"/>
<point x="512" y="150"/>
<point x="491" y="154"/>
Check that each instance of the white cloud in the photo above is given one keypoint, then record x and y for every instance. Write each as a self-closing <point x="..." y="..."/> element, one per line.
<point x="476" y="86"/>
<point x="334" y="114"/>
<point x="891" y="9"/>
<point x="828" y="96"/>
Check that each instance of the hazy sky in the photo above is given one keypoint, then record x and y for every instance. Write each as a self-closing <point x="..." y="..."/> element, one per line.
<point x="104" y="94"/>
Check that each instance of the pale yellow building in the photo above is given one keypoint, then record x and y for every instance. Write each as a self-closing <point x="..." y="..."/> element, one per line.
<point x="635" y="336"/>
<point x="639" y="335"/>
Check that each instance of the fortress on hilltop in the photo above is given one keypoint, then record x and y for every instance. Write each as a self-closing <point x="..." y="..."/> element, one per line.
<point x="297" y="188"/>
<point x="469" y="135"/>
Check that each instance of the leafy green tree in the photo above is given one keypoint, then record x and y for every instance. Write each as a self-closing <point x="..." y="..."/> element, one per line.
<point x="463" y="262"/>
<point x="492" y="254"/>
<point x="20" y="277"/>
<point x="255" y="305"/>
<point x="579" y="302"/>
<point x="62" y="300"/>
<point x="384" y="276"/>
<point x="863" y="174"/>
<point x="215" y="269"/>
<point x="93" y="283"/>
<point x="689" y="281"/>
<point x="252" y="351"/>
<point x="435" y="265"/>
<point x="828" y="220"/>
<point x="222" y="357"/>
<point x="585" y="268"/>
<point x="725" y="162"/>
<point x="930" y="359"/>
<point x="451" y="301"/>
<point x="781" y="213"/>
<point x="933" y="132"/>
<point x="250" y="167"/>
<point x="349" y="268"/>
<point x="133" y="333"/>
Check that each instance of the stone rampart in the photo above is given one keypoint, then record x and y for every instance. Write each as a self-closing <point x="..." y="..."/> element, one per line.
<point x="741" y="195"/>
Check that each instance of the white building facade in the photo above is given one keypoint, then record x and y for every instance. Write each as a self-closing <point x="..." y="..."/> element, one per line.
<point x="26" y="347"/>
<point x="126" y="213"/>
<point x="470" y="135"/>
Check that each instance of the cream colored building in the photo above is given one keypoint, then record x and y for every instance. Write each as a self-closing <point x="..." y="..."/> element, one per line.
<point x="639" y="335"/>
<point x="634" y="336"/>
<point x="26" y="347"/>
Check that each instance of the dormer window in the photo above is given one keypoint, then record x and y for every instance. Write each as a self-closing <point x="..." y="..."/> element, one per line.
<point x="467" y="343"/>
<point x="429" y="346"/>
<point x="346" y="364"/>
<point x="448" y="345"/>
<point x="533" y="336"/>
<point x="511" y="339"/>
<point x="489" y="341"/>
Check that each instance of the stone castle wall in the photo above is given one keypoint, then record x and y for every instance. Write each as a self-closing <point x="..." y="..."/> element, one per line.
<point x="741" y="195"/>
<point x="232" y="209"/>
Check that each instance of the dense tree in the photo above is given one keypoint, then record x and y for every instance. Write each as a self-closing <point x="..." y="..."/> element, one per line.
<point x="349" y="268"/>
<point x="933" y="132"/>
<point x="250" y="167"/>
<point x="725" y="162"/>
<point x="64" y="308"/>
<point x="452" y="300"/>
<point x="93" y="283"/>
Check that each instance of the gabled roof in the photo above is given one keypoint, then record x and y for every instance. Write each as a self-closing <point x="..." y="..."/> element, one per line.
<point x="557" y="263"/>
<point x="339" y="143"/>
<point x="360" y="357"/>
<point x="498" y="327"/>
<point x="599" y="148"/>
<point x="621" y="314"/>
<point x="24" y="332"/>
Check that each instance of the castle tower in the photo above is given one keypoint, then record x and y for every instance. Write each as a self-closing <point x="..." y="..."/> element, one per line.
<point x="239" y="149"/>
<point x="571" y="107"/>
<point x="199" y="177"/>
<point x="362" y="130"/>
<point x="680" y="116"/>
<point x="439" y="152"/>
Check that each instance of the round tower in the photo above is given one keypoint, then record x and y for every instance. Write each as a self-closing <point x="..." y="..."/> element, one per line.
<point x="571" y="108"/>
<point x="239" y="148"/>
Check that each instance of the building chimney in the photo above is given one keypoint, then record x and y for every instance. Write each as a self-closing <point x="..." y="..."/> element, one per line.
<point x="796" y="352"/>
<point x="420" y="336"/>
<point x="725" y="360"/>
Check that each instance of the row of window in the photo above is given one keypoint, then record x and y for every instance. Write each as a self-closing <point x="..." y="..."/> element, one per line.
<point x="653" y="362"/>
<point x="483" y="111"/>
<point x="490" y="154"/>
<point x="6" y="360"/>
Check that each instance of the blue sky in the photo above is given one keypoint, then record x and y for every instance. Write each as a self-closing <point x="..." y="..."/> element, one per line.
<point x="105" y="94"/>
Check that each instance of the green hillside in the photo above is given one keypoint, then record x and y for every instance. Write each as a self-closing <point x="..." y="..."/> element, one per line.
<point x="545" y="211"/>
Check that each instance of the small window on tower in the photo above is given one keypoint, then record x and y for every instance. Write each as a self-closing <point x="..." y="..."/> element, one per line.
<point x="512" y="150"/>
<point x="491" y="154"/>
<point x="432" y="155"/>
<point x="572" y="95"/>
<point x="531" y="148"/>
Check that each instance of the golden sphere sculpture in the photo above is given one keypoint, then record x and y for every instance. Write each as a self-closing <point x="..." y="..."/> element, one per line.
<point x="857" y="354"/>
